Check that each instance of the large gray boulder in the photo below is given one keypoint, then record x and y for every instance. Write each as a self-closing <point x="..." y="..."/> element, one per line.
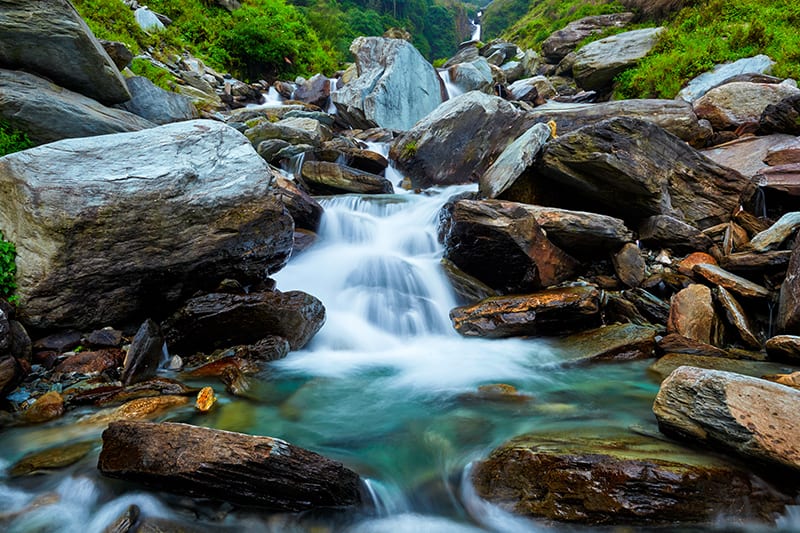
<point x="515" y="159"/>
<point x="395" y="87"/>
<point x="50" y="38"/>
<point x="131" y="224"/>
<point x="706" y="81"/>
<point x="734" y="104"/>
<point x="597" y="63"/>
<point x="47" y="112"/>
<point x="457" y="142"/>
<point x="562" y="42"/>
<point x="474" y="75"/>
<point x="157" y="105"/>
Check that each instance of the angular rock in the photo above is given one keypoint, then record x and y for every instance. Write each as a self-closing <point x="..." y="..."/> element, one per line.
<point x="732" y="282"/>
<point x="784" y="179"/>
<point x="51" y="39"/>
<point x="756" y="262"/>
<point x="144" y="355"/>
<point x="119" y="53"/>
<point x="223" y="320"/>
<point x="612" y="166"/>
<point x="789" y="300"/>
<point x="783" y="117"/>
<point x="365" y="160"/>
<point x="603" y="478"/>
<point x="467" y="51"/>
<point x="784" y="154"/>
<point x="45" y="408"/>
<point x="553" y="311"/>
<point x="87" y="257"/>
<point x="47" y="113"/>
<point x="290" y="132"/>
<point x="775" y="235"/>
<point x="735" y="104"/>
<point x="669" y="232"/>
<point x="106" y="337"/>
<point x="476" y="126"/>
<point x="737" y="317"/>
<point x="674" y="343"/>
<point x="469" y="289"/>
<point x="324" y="178"/>
<point x="692" y="314"/>
<point x="395" y="87"/>
<point x="316" y="91"/>
<point x="687" y="264"/>
<point x="563" y="41"/>
<point x="256" y="471"/>
<point x="59" y="342"/>
<point x="92" y="363"/>
<point x="155" y="104"/>
<point x="148" y="20"/>
<point x="615" y="342"/>
<point x="629" y="265"/>
<point x="535" y="90"/>
<point x="671" y="361"/>
<point x="706" y="81"/>
<point x="784" y="348"/>
<point x="306" y="212"/>
<point x="597" y="63"/>
<point x="747" y="154"/>
<point x="512" y="162"/>
<point x="750" y="417"/>
<point x="501" y="244"/>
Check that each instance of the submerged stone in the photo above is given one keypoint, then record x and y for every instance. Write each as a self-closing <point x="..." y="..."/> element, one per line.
<point x="45" y="461"/>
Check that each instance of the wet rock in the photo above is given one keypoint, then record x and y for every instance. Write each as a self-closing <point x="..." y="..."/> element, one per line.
<point x="267" y="349"/>
<point x="581" y="233"/>
<point x="597" y="63"/>
<point x="775" y="235"/>
<point x="10" y="374"/>
<point x="790" y="380"/>
<point x="197" y="231"/>
<point x="692" y="315"/>
<point x="784" y="348"/>
<point x="735" y="104"/>
<point x="205" y="400"/>
<point x="256" y="471"/>
<point x="553" y="311"/>
<point x="512" y="162"/>
<point x="535" y="90"/>
<point x="365" y="160"/>
<point x="45" y="461"/>
<point x="106" y="337"/>
<point x="756" y="262"/>
<point x="323" y="178"/>
<point x="91" y="362"/>
<point x="315" y="90"/>
<point x="703" y="83"/>
<point x="614" y="342"/>
<point x="687" y="264"/>
<point x="144" y="355"/>
<point x="789" y="300"/>
<point x="155" y="104"/>
<point x="611" y="167"/>
<point x="562" y="42"/>
<point x="750" y="417"/>
<point x="629" y="265"/>
<point x="108" y="395"/>
<point x="654" y="309"/>
<point x="138" y="409"/>
<point x="476" y="126"/>
<point x="669" y="232"/>
<point x="737" y="317"/>
<point x="783" y="117"/>
<point x="59" y="342"/>
<point x="674" y="343"/>
<point x="615" y="479"/>
<point x="384" y="94"/>
<point x="126" y="521"/>
<point x="732" y="282"/>
<point x="45" y="408"/>
<point x="469" y="289"/>
<point x="479" y="232"/>
<point x="496" y="392"/>
<point x="306" y="212"/>
<point x="665" y="365"/>
<point x="222" y="320"/>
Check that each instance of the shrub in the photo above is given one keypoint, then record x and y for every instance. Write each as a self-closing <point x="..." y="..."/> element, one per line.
<point x="8" y="269"/>
<point x="12" y="140"/>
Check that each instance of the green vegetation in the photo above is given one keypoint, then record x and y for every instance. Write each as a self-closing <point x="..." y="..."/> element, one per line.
<point x="409" y="149"/>
<point x="12" y="140"/>
<point x="160" y="77"/>
<point x="8" y="269"/>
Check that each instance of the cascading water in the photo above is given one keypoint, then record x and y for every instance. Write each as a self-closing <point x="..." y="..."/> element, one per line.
<point x="452" y="89"/>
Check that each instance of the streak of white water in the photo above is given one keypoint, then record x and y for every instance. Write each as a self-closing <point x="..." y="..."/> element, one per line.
<point x="476" y="31"/>
<point x="453" y="90"/>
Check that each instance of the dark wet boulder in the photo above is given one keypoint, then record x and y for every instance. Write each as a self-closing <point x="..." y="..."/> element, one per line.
<point x="750" y="417"/>
<point x="736" y="317"/>
<point x="305" y="211"/>
<point x="669" y="232"/>
<point x="144" y="354"/>
<point x="789" y="301"/>
<point x="597" y="477"/>
<point x="782" y="117"/>
<point x="249" y="470"/>
<point x="222" y="320"/>
<point x="322" y="177"/>
<point x="155" y="104"/>
<point x="614" y="342"/>
<point x="784" y="348"/>
<point x="106" y="338"/>
<point x="91" y="362"/>
<point x="51" y="459"/>
<point x="629" y="265"/>
<point x="469" y="289"/>
<point x="563" y="41"/>
<point x="351" y="156"/>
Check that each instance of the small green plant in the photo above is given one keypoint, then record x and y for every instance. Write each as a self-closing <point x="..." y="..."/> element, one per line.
<point x="12" y="140"/>
<point x="160" y="77"/>
<point x="409" y="149"/>
<point x="8" y="270"/>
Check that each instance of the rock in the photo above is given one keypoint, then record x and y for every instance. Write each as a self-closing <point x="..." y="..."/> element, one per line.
<point x="613" y="479"/>
<point x="291" y="131"/>
<point x="47" y="113"/>
<point x="775" y="235"/>
<point x="535" y="90"/>
<point x="783" y="117"/>
<point x="395" y="87"/>
<point x="613" y="167"/>
<point x="735" y="104"/>
<point x="783" y="178"/>
<point x="496" y="392"/>
<point x="139" y="409"/>
<point x="474" y="125"/>
<point x="222" y="320"/>
<point x="629" y="265"/>
<point x="45" y="408"/>
<point x="703" y="83"/>
<point x="732" y="282"/>
<point x="316" y="91"/>
<point x="513" y="162"/>
<point x="144" y="355"/>
<point x="668" y="363"/>
<point x="92" y="363"/>
<point x="155" y="104"/>
<point x="747" y="154"/>
<point x="270" y="348"/>
<point x="210" y="217"/>
<point x="365" y="160"/>
<point x="673" y="343"/>
<point x="737" y="317"/>
<point x="675" y="116"/>
<point x="687" y="264"/>
<point x="323" y="178"/>
<point x="469" y="289"/>
<point x="750" y="417"/>
<point x="784" y="154"/>
<point x="205" y="400"/>
<point x="597" y="63"/>
<point x="513" y="71"/>
<point x="59" y="342"/>
<point x="506" y="49"/>
<point x="10" y="374"/>
<point x="148" y="20"/>
<point x="789" y="300"/>
<point x="553" y="311"/>
<point x="790" y="380"/>
<point x="477" y="233"/>
<point x="247" y="470"/>
<point x="784" y="348"/>
<point x="467" y="51"/>
<point x="756" y="262"/>
<point x="669" y="232"/>
<point x="109" y="395"/>
<point x="305" y="211"/>
<point x="119" y="53"/>
<point x="45" y="461"/>
<point x="615" y="342"/>
<point x="106" y="337"/>
<point x="5" y="333"/>
<point x="562" y="42"/>
<point x="69" y="54"/>
<point x="475" y="75"/>
<point x="692" y="314"/>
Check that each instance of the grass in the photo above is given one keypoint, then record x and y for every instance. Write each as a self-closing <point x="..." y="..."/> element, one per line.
<point x="8" y="270"/>
<point x="12" y="140"/>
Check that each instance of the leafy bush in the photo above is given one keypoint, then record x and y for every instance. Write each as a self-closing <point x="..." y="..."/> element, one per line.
<point x="8" y="269"/>
<point x="12" y="140"/>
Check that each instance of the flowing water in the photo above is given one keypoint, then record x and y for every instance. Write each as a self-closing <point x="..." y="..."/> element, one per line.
<point x="386" y="387"/>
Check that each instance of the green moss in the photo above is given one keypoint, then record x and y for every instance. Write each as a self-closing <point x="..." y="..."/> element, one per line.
<point x="159" y="76"/>
<point x="8" y="269"/>
<point x="409" y="150"/>
<point x="12" y="140"/>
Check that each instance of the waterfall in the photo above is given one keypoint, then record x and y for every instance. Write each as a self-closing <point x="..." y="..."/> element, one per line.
<point x="453" y="90"/>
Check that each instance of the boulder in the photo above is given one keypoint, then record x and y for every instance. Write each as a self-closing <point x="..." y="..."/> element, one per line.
<point x="155" y="104"/>
<point x="789" y="300"/>
<point x="732" y="282"/>
<point x="747" y="154"/>
<point x="255" y="471"/>
<point x="467" y="51"/>
<point x="148" y="20"/>
<point x="87" y="257"/>
<point x="750" y="417"/>
<point x="605" y="478"/>
<point x="513" y="162"/>
<point x="475" y="75"/>
<point x="737" y="317"/>
<point x="784" y="348"/>
<point x="783" y="117"/>
<point x="674" y="343"/>
<point x="629" y="265"/>
<point x="616" y="167"/>
<point x="669" y="232"/>
<point x="119" y="53"/>
<point x="784" y="179"/>
<point x="614" y="342"/>
<point x="305" y="211"/>
<point x="321" y="177"/>
<point x="47" y="112"/>
<point x="49" y="460"/>
<point x="549" y="312"/>
<point x="735" y="104"/>
<point x="676" y="117"/>
<point x="597" y="63"/>
<point x="772" y="237"/>
<point x="784" y="154"/>
<point x="365" y="160"/>
<point x="563" y="41"/>
<point x="476" y="126"/>
<point x="535" y="90"/>
<point x="220" y="320"/>
<point x="692" y="314"/>
<point x="468" y="289"/>
<point x="91" y="363"/>
<point x="706" y="81"/>
<point x="395" y="87"/>
<point x="47" y="407"/>
<point x="315" y="90"/>
<point x="51" y="39"/>
<point x="289" y="130"/>
<point x="667" y="364"/>
<point x="501" y="244"/>
<point x="144" y="355"/>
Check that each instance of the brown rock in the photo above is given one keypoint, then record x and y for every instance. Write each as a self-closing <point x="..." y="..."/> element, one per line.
<point x="746" y="154"/>
<point x="784" y="179"/>
<point x="205" y="399"/>
<point x="46" y="461"/>
<point x="667" y="364"/>
<point x="789" y="301"/>
<point x="546" y="312"/>
<point x="686" y="265"/>
<point x="737" y="317"/>
<point x="306" y="212"/>
<point x="756" y="262"/>
<point x="734" y="104"/>
<point x="784" y="348"/>
<point x="692" y="314"/>
<point x="469" y="289"/>
<point x="783" y="117"/>
<point x="44" y="409"/>
<point x="629" y="265"/>
<point x="92" y="362"/>
<point x="669" y="232"/>
<point x="201" y="462"/>
<point x="732" y="282"/>
<point x="615" y="342"/>
<point x="790" y="380"/>
<point x="144" y="354"/>
<point x="10" y="374"/>
<point x="322" y="177"/>
<point x="785" y="154"/>
<point x="139" y="409"/>
<point x="678" y="344"/>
